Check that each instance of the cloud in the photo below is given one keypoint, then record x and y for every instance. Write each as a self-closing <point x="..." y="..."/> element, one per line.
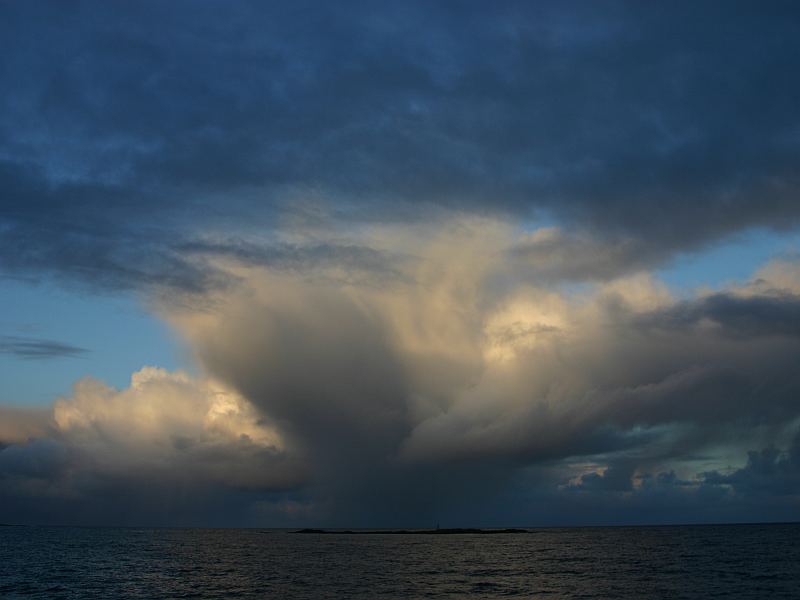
<point x="443" y="366"/>
<point x="37" y="349"/>
<point x="367" y="223"/>
<point x="354" y="378"/>
<point x="550" y="253"/>
<point x="463" y="360"/>
<point x="769" y="472"/>
<point x="642" y="133"/>
<point x="615" y="478"/>
<point x="729" y="314"/>
<point x="18" y="424"/>
<point x="168" y="441"/>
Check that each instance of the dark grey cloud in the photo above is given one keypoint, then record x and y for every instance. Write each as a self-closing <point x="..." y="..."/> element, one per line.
<point x="354" y="262"/>
<point x="769" y="472"/>
<point x="765" y="490"/>
<point x="665" y="127"/>
<point x="38" y="349"/>
<point x="743" y="317"/>
<point x="49" y="481"/>
<point x="89" y="233"/>
<point x="616" y="478"/>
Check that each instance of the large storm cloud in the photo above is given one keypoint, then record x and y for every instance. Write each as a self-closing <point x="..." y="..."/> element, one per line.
<point x="448" y="368"/>
<point x="414" y="248"/>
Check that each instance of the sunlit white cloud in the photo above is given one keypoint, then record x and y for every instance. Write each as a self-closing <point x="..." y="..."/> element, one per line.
<point x="167" y="426"/>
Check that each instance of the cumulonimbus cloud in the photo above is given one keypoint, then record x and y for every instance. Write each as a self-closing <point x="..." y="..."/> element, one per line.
<point x="319" y="200"/>
<point x="464" y="358"/>
<point x="356" y="386"/>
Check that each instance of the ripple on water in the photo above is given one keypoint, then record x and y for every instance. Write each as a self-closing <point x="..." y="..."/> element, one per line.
<point x="746" y="561"/>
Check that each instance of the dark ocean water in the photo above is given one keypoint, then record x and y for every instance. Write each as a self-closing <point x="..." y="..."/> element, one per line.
<point x="732" y="561"/>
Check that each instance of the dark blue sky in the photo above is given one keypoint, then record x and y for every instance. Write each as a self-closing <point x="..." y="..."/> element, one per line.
<point x="391" y="264"/>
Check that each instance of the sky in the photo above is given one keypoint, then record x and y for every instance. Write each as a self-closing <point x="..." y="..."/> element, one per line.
<point x="399" y="264"/>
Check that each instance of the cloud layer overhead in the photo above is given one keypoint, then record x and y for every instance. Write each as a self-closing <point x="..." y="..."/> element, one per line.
<point x="415" y="256"/>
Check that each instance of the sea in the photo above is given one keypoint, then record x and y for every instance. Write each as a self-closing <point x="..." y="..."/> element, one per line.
<point x="707" y="561"/>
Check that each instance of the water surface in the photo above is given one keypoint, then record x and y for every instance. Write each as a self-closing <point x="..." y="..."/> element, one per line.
<point x="735" y="561"/>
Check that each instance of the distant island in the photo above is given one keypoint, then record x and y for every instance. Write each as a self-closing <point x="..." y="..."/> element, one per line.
<point x="450" y="531"/>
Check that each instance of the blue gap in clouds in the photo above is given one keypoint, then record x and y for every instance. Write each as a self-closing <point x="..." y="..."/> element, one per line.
<point x="119" y="336"/>
<point x="733" y="260"/>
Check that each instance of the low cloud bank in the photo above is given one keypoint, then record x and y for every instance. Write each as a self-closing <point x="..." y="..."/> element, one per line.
<point x="147" y="453"/>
